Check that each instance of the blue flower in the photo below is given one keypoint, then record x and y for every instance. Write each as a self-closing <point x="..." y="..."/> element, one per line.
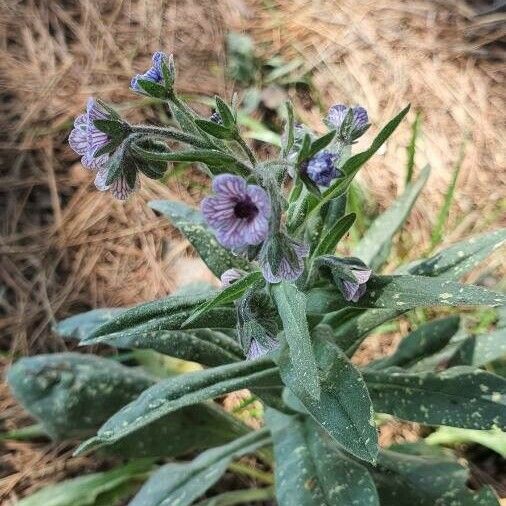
<point x="348" y="131"/>
<point x="321" y="168"/>
<point x="282" y="258"/>
<point x="154" y="73"/>
<point x="230" y="276"/>
<point x="238" y="213"/>
<point x="259" y="348"/>
<point x="86" y="139"/>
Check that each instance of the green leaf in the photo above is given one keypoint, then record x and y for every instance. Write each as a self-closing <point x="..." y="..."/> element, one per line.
<point x="310" y="470"/>
<point x="408" y="480"/>
<point x="321" y="143"/>
<point x="214" y="129"/>
<point x="83" y="325"/>
<point x="411" y="148"/>
<point x="289" y="128"/>
<point x="87" y="490"/>
<point x="374" y="247"/>
<point x="460" y="397"/>
<point x="113" y="128"/>
<point x="481" y="349"/>
<point x="180" y="391"/>
<point x="205" y="346"/>
<point x="344" y="409"/>
<point x="292" y="310"/>
<point x="225" y="113"/>
<point x="142" y="313"/>
<point x="304" y="148"/>
<point x="494" y="438"/>
<point x="183" y="483"/>
<point x="450" y="263"/>
<point x="152" y="89"/>
<point x="455" y="261"/>
<point x="422" y="342"/>
<point x="228" y="294"/>
<point x="190" y="222"/>
<point x="442" y="217"/>
<point x="329" y="241"/>
<point x="58" y="390"/>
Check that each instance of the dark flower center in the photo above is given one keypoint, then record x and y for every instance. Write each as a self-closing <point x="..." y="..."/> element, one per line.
<point x="245" y="209"/>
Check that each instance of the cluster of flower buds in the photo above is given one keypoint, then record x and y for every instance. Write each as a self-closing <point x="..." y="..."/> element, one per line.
<point x="247" y="210"/>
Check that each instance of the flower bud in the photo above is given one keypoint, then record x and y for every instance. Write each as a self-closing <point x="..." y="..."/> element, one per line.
<point x="349" y="122"/>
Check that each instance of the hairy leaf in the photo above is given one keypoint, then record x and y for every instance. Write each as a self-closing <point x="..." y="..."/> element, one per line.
<point x="291" y="305"/>
<point x="310" y="470"/>
<point x="344" y="409"/>
<point x="182" y="483"/>
<point x="83" y="325"/>
<point x="459" y="397"/>
<point x="331" y="238"/>
<point x="180" y="391"/>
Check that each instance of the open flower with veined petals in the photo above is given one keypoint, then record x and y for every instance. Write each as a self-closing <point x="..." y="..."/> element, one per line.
<point x="238" y="213"/>
<point x="86" y="139"/>
<point x="153" y="74"/>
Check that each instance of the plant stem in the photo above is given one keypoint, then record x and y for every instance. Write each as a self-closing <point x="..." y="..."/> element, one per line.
<point x="256" y="474"/>
<point x="25" y="433"/>
<point x="239" y="496"/>
<point x="173" y="134"/>
<point x="246" y="149"/>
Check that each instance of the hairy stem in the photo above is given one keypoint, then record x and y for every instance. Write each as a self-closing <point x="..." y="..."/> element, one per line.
<point x="246" y="149"/>
<point x="171" y="133"/>
<point x="256" y="474"/>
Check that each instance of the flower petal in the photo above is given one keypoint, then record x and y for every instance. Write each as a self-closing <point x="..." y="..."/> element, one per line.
<point x="228" y="184"/>
<point x="261" y="199"/>
<point x="78" y="140"/>
<point x="121" y="190"/>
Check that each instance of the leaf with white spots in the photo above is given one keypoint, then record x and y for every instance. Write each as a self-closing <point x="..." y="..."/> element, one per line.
<point x="409" y="480"/>
<point x="291" y="305"/>
<point x="177" y="392"/>
<point x="422" y="342"/>
<point x="179" y="484"/>
<point x="374" y="247"/>
<point x="311" y="471"/>
<point x="458" y="397"/>
<point x="190" y="222"/>
<point x="83" y="325"/>
<point x="344" y="409"/>
<point x="481" y="349"/>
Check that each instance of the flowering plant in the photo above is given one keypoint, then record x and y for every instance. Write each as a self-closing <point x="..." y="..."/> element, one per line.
<point x="289" y="316"/>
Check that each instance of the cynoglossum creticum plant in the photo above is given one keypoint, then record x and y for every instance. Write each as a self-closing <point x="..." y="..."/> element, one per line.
<point x="289" y="316"/>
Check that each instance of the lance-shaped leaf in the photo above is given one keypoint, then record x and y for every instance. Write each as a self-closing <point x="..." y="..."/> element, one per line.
<point x="407" y="292"/>
<point x="92" y="489"/>
<point x="481" y="349"/>
<point x="344" y="409"/>
<point x="228" y="294"/>
<point x="73" y="394"/>
<point x="422" y="342"/>
<point x="180" y="391"/>
<point x="145" y="312"/>
<point x="408" y="480"/>
<point x="291" y="305"/>
<point x="310" y="471"/>
<point x="331" y="238"/>
<point x="83" y="325"/>
<point x="190" y="222"/>
<point x="450" y="263"/>
<point x="458" y="397"/>
<point x="205" y="346"/>
<point x="374" y="247"/>
<point x="182" y="483"/>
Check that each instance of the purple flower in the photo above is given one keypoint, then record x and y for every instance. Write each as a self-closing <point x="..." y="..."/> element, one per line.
<point x="86" y="139"/>
<point x="353" y="291"/>
<point x="321" y="168"/>
<point x="120" y="188"/>
<point x="230" y="276"/>
<point x="238" y="213"/>
<point x="348" y="131"/>
<point x="154" y="73"/>
<point x="258" y="349"/>
<point x="216" y="118"/>
<point x="282" y="259"/>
